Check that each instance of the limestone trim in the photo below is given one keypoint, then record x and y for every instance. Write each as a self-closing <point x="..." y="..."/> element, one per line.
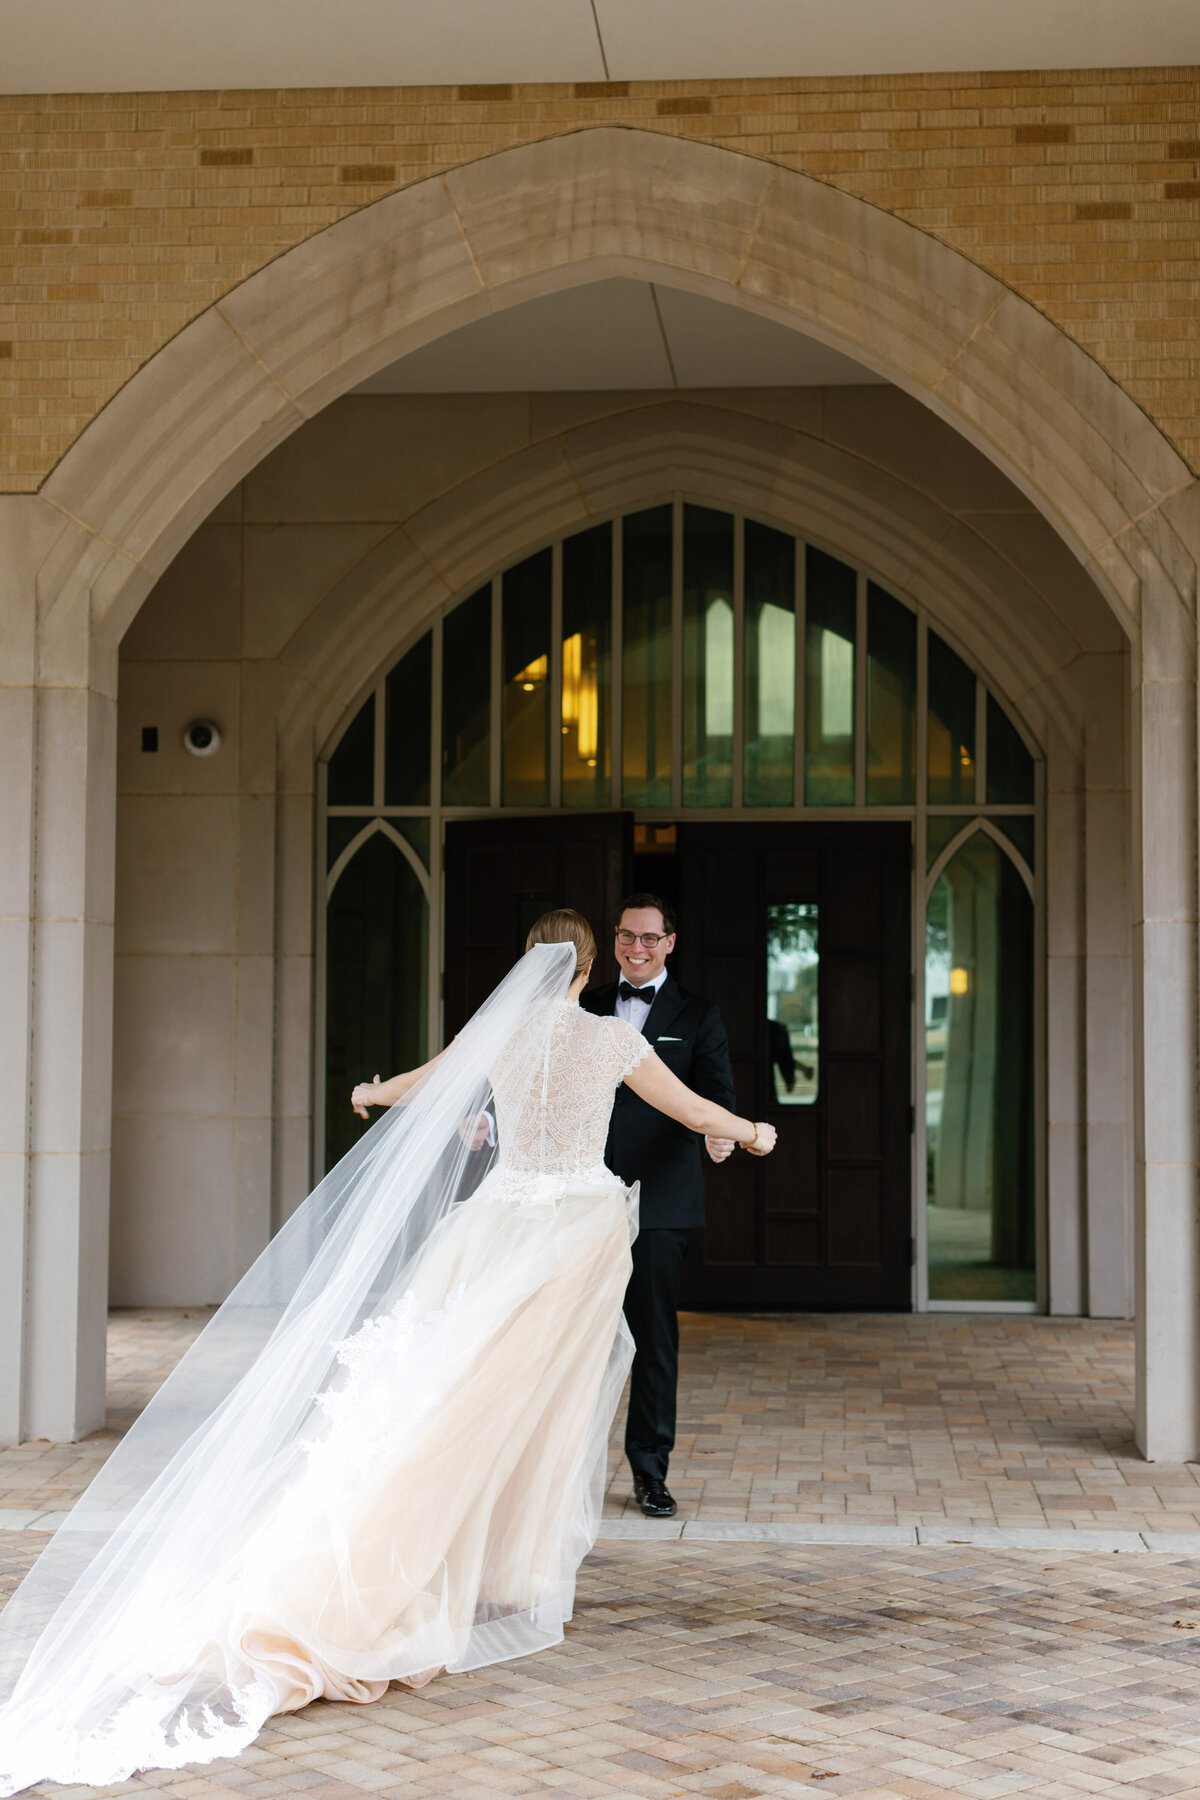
<point x="596" y="202"/>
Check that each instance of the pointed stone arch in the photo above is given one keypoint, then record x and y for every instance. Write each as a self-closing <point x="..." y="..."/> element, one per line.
<point x="83" y="553"/>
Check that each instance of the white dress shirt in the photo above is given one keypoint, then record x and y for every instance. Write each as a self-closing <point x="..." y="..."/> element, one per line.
<point x="636" y="1012"/>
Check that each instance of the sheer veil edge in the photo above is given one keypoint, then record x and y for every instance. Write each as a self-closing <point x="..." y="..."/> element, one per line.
<point x="181" y="1496"/>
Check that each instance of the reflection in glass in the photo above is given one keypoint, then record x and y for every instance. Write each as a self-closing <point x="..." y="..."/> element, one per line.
<point x="891" y="700"/>
<point x="770" y="652"/>
<point x="951" y="727"/>
<point x="407" y="712"/>
<point x="793" y="1025"/>
<point x="352" y="765"/>
<point x="587" y="667"/>
<point x="646" y="657"/>
<point x="466" y="693"/>
<point x="1009" y="764"/>
<point x="525" y="672"/>
<point x="830" y="614"/>
<point x="979" y="1078"/>
<point x="707" y="657"/>
<point x="376" y="975"/>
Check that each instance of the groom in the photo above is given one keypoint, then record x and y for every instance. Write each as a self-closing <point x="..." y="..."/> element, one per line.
<point x="645" y="1146"/>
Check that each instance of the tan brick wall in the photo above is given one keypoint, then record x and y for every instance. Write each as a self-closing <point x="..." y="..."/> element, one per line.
<point x="123" y="216"/>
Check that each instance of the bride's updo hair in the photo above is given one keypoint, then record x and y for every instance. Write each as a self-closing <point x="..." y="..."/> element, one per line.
<point x="562" y="926"/>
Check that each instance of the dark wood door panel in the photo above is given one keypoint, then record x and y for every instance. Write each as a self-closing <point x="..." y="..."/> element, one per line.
<point x="487" y="873"/>
<point x="502" y="874"/>
<point x="791" y="1175"/>
<point x="729" y="981"/>
<point x="792" y="874"/>
<point x="854" y="1008"/>
<point x="856" y="1200"/>
<point x="794" y="1241"/>
<point x="826" y="1221"/>
<point x="853" y="898"/>
<point x="731" y="1231"/>
<point x="853" y="1103"/>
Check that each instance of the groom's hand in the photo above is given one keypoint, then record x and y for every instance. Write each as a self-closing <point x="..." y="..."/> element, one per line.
<point x="719" y="1148"/>
<point x="474" y="1132"/>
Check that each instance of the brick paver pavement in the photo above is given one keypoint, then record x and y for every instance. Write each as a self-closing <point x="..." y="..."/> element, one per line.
<point x="730" y="1671"/>
<point x="736" y="1669"/>
<point x="910" y="1420"/>
<point x="917" y="1419"/>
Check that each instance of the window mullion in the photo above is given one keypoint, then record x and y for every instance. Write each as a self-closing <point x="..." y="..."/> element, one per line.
<point x="677" y="653"/>
<point x="617" y="639"/>
<point x="555" y="701"/>
<point x="737" y="749"/>
<point x="798" y="703"/>
<point x="495" y="716"/>
<point x="860" y="691"/>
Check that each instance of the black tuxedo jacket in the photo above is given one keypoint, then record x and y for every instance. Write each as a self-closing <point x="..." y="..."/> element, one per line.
<point x="643" y="1144"/>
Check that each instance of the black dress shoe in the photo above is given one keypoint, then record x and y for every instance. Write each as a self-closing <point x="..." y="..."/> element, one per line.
<point x="652" y="1496"/>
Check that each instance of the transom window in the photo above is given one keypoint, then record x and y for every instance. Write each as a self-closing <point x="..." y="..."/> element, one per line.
<point x="675" y="659"/>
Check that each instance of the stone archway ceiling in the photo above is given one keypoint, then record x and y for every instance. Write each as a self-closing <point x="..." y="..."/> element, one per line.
<point x="92" y="46"/>
<point x="620" y="334"/>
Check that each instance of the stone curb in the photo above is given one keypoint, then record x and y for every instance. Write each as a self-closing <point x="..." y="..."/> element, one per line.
<point x="910" y="1537"/>
<point x="899" y="1537"/>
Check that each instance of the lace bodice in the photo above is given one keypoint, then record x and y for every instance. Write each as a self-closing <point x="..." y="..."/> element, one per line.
<point x="553" y="1106"/>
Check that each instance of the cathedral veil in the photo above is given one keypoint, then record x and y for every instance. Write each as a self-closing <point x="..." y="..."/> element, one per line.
<point x="228" y="1433"/>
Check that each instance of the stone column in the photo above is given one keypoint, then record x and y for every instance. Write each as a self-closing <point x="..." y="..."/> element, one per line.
<point x="57" y="720"/>
<point x="1167" y="1238"/>
<point x="17" y="712"/>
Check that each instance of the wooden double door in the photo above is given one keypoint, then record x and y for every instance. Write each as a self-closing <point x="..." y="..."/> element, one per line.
<point x="824" y="1223"/>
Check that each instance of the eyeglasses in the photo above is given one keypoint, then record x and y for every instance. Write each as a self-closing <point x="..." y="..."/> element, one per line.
<point x="649" y="940"/>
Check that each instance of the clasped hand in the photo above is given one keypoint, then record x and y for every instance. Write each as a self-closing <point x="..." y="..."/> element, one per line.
<point x="766" y="1139"/>
<point x="720" y="1147"/>
<point x="364" y="1096"/>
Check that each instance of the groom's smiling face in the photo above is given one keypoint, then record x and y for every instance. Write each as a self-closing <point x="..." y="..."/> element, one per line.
<point x="639" y="964"/>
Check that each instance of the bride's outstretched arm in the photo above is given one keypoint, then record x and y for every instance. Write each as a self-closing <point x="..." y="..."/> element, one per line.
<point x="653" y="1082"/>
<point x="387" y="1093"/>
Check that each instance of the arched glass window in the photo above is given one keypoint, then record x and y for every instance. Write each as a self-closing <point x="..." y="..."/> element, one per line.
<point x="686" y="662"/>
<point x="376" y="976"/>
<point x="979" y="1076"/>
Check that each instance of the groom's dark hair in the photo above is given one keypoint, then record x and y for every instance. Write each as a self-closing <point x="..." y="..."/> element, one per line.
<point x="636" y="902"/>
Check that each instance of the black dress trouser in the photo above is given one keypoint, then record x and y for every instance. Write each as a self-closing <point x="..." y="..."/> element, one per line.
<point x="651" y="1309"/>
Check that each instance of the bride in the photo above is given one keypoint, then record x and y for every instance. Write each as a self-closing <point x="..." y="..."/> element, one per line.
<point x="384" y="1456"/>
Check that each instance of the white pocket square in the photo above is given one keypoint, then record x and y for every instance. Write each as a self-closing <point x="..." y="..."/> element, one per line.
<point x="668" y="1040"/>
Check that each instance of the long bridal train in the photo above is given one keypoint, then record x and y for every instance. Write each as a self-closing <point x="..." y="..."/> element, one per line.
<point x="385" y="1454"/>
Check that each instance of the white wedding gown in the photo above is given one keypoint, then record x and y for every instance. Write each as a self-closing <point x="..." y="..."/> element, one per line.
<point x="448" y="1481"/>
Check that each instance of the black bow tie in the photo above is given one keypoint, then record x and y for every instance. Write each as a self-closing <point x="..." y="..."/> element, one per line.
<point x="627" y="991"/>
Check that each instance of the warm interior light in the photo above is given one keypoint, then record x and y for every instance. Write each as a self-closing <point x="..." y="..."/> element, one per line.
<point x="580" y="700"/>
<point x="958" y="981"/>
<point x="533" y="675"/>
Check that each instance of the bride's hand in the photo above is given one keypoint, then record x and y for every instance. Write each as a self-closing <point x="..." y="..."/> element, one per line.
<point x="365" y="1095"/>
<point x="766" y="1139"/>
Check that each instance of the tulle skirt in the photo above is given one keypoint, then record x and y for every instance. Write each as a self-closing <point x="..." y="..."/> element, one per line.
<point x="443" y="1504"/>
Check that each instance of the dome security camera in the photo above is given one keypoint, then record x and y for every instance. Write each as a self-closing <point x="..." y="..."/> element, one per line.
<point x="202" y="738"/>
